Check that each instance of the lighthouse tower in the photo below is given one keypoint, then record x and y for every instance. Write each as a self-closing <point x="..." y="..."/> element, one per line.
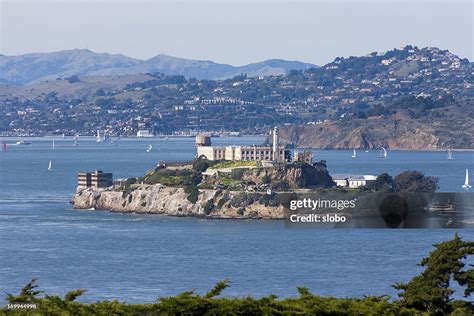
<point x="276" y="155"/>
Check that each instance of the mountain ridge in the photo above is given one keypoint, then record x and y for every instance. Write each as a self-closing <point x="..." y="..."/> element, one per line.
<point x="36" y="67"/>
<point x="408" y="98"/>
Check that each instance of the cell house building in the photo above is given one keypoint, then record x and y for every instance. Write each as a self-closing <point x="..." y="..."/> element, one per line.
<point x="275" y="152"/>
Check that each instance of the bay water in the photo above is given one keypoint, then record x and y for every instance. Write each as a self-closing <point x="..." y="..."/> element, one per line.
<point x="138" y="258"/>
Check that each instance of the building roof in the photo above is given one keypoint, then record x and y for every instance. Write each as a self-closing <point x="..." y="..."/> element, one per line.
<point x="349" y="177"/>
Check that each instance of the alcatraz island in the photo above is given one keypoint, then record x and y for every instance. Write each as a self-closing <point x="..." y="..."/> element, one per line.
<point x="250" y="181"/>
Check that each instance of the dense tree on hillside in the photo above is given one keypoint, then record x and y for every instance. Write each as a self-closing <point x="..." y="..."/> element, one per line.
<point x="383" y="183"/>
<point x="431" y="291"/>
<point x="415" y="181"/>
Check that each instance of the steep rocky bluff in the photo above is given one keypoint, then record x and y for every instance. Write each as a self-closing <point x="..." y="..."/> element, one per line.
<point x="291" y="176"/>
<point x="159" y="199"/>
<point x="241" y="194"/>
<point x="443" y="128"/>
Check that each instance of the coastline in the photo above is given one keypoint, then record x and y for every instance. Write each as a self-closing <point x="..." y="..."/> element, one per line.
<point x="160" y="137"/>
<point x="162" y="200"/>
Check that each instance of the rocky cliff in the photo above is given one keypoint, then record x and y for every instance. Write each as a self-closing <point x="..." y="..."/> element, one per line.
<point x="291" y="176"/>
<point x="453" y="130"/>
<point x="159" y="199"/>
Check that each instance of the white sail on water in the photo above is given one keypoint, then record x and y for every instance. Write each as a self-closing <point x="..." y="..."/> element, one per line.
<point x="50" y="166"/>
<point x="383" y="154"/>
<point x="466" y="184"/>
<point x="150" y="147"/>
<point x="450" y="155"/>
<point x="354" y="154"/>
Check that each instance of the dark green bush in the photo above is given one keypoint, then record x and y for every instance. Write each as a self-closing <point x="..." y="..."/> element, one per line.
<point x="244" y="199"/>
<point x="237" y="174"/>
<point x="201" y="164"/>
<point x="193" y="193"/>
<point x="222" y="201"/>
<point x="208" y="207"/>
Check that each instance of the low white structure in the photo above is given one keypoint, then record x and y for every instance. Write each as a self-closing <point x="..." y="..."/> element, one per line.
<point x="352" y="181"/>
<point x="144" y="133"/>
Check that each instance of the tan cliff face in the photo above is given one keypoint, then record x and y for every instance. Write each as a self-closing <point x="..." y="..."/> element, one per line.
<point x="388" y="132"/>
<point x="159" y="199"/>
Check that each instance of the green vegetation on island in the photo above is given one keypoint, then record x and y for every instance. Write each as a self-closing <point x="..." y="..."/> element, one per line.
<point x="407" y="181"/>
<point x="249" y="189"/>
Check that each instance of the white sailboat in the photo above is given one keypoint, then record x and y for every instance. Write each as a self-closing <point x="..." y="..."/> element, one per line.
<point x="76" y="138"/>
<point x="50" y="166"/>
<point x="354" y="154"/>
<point x="383" y="153"/>
<point x="98" y="138"/>
<point x="53" y="144"/>
<point x="150" y="147"/>
<point x="466" y="180"/>
<point x="450" y="155"/>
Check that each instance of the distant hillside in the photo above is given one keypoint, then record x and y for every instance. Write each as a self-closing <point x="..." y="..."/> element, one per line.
<point x="36" y="67"/>
<point x="408" y="97"/>
<point x="445" y="125"/>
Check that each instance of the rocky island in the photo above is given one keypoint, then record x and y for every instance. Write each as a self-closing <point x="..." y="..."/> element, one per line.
<point x="243" y="182"/>
<point x="203" y="188"/>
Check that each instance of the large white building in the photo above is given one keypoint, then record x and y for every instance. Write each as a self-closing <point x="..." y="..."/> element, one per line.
<point x="274" y="153"/>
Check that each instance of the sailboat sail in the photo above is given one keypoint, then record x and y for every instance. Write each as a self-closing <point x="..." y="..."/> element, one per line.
<point x="466" y="184"/>
<point x="53" y="145"/>
<point x="150" y="147"/>
<point x="354" y="154"/>
<point x="450" y="155"/>
<point x="383" y="153"/>
<point x="50" y="166"/>
<point x="99" y="138"/>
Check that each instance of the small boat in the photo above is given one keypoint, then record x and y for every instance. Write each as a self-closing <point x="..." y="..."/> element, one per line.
<point x="383" y="153"/>
<point x="50" y="166"/>
<point x="466" y="184"/>
<point x="450" y="155"/>
<point x="53" y="145"/>
<point x="354" y="154"/>
<point x="22" y="142"/>
<point x="150" y="147"/>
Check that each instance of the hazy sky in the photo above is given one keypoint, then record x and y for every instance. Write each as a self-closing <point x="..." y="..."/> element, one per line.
<point x="236" y="32"/>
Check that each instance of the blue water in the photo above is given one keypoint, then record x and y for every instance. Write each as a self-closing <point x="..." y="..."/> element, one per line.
<point x="138" y="258"/>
